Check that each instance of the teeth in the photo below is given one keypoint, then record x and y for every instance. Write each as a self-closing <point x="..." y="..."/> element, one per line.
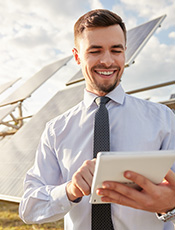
<point x="105" y="72"/>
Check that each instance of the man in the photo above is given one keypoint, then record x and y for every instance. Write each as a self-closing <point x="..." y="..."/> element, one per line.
<point x="59" y="183"/>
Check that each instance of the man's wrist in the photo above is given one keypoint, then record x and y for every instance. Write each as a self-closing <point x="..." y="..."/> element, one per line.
<point x="168" y="216"/>
<point x="70" y="196"/>
<point x="77" y="200"/>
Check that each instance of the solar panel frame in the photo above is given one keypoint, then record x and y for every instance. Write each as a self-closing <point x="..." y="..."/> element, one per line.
<point x="170" y="103"/>
<point x="78" y="77"/>
<point x="5" y="111"/>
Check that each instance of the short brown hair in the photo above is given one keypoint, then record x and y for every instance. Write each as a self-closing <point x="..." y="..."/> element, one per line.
<point x="97" y="18"/>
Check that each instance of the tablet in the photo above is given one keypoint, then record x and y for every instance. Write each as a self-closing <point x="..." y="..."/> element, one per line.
<point x="110" y="166"/>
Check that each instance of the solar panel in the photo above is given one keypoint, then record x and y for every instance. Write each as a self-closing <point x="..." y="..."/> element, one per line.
<point x="34" y="82"/>
<point x="172" y="96"/>
<point x="136" y="40"/>
<point x="7" y="85"/>
<point x="76" y="78"/>
<point x="139" y="36"/>
<point x="18" y="153"/>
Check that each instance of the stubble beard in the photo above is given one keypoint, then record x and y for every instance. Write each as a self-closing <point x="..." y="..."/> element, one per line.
<point x="105" y="88"/>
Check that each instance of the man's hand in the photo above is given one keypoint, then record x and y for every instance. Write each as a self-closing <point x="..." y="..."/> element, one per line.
<point x="153" y="198"/>
<point x="81" y="181"/>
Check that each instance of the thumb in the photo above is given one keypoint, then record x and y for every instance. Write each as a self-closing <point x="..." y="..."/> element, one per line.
<point x="170" y="177"/>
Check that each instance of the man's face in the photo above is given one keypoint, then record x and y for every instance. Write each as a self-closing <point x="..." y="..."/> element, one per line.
<point x="101" y="53"/>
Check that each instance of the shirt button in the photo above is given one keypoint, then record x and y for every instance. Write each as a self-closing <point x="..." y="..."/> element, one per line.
<point x="62" y="208"/>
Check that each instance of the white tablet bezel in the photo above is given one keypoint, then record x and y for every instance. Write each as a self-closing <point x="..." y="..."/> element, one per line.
<point x="110" y="166"/>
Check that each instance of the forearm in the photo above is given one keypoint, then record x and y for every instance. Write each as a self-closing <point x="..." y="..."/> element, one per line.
<point x="44" y="204"/>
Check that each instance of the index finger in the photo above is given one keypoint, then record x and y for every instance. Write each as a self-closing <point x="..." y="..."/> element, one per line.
<point x="140" y="180"/>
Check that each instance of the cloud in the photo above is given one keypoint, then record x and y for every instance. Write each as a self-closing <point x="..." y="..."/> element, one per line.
<point x="172" y="35"/>
<point x="95" y="4"/>
<point x="154" y="65"/>
<point x="129" y="19"/>
<point x="152" y="9"/>
<point x="35" y="33"/>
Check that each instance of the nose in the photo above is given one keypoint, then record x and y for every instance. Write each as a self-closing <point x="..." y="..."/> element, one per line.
<point x="107" y="59"/>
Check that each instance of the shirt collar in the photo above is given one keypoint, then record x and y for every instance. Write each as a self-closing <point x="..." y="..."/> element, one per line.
<point x="117" y="95"/>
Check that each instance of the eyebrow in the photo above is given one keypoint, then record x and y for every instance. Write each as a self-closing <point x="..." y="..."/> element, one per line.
<point x="99" y="47"/>
<point x="94" y="47"/>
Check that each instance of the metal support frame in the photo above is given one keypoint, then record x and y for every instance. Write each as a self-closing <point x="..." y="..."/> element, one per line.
<point x="170" y="103"/>
<point x="15" y="123"/>
<point x="151" y="87"/>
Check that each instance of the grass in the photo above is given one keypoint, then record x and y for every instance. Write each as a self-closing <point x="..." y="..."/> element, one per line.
<point x="9" y="220"/>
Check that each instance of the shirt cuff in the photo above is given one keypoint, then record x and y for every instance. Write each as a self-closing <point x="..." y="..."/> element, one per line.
<point x="59" y="199"/>
<point x="77" y="200"/>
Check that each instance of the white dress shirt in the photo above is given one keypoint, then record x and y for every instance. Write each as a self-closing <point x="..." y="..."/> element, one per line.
<point x="135" y="125"/>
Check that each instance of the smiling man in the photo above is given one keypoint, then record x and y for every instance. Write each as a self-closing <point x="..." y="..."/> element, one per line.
<point x="59" y="183"/>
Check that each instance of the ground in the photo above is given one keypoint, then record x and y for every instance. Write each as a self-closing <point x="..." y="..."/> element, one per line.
<point x="9" y="219"/>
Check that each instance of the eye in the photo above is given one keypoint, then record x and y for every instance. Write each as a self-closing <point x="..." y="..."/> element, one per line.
<point x="116" y="51"/>
<point x="95" y="51"/>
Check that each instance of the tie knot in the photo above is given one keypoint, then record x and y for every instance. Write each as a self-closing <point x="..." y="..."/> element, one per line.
<point x="102" y="100"/>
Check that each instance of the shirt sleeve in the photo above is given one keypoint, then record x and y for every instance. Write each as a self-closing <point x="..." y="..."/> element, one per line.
<point x="169" y="126"/>
<point x="169" y="138"/>
<point x="44" y="198"/>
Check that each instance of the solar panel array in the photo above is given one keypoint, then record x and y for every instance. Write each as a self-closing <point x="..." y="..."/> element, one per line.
<point x="18" y="153"/>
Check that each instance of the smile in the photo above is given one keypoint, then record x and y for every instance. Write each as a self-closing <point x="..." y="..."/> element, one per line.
<point x="105" y="73"/>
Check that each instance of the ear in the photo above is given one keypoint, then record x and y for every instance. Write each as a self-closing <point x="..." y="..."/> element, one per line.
<point x="76" y="55"/>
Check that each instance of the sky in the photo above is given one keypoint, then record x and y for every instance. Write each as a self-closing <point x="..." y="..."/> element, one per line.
<point x="38" y="32"/>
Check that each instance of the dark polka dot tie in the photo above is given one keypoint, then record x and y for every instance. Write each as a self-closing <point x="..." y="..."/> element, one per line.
<point x="101" y="213"/>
